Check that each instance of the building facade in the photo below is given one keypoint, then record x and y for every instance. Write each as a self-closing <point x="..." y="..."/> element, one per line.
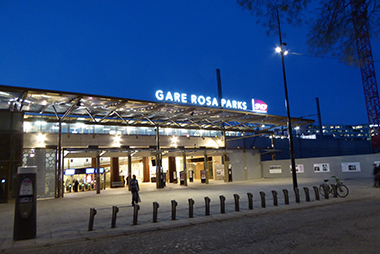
<point x="342" y="132"/>
<point x="82" y="142"/>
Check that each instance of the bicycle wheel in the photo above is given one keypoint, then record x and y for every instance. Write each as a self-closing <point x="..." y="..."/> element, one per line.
<point x="322" y="189"/>
<point x="342" y="190"/>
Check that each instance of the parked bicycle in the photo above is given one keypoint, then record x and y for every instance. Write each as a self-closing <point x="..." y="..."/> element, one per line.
<point x="341" y="189"/>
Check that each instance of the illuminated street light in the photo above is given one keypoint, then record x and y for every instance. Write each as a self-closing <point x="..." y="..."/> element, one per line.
<point x="290" y="134"/>
<point x="279" y="49"/>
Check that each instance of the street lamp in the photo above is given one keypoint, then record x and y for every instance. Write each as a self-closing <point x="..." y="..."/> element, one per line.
<point x="280" y="50"/>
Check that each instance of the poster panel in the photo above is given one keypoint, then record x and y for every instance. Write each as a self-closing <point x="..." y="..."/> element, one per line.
<point x="275" y="169"/>
<point x="299" y="168"/>
<point x="321" y="167"/>
<point x="350" y="166"/>
<point x="203" y="175"/>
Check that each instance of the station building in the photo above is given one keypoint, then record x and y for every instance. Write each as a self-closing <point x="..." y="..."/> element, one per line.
<point x="78" y="140"/>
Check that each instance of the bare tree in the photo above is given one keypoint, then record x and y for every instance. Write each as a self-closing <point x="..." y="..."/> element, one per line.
<point x="332" y="30"/>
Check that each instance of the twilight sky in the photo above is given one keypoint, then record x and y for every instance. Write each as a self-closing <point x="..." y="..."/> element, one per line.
<point x="130" y="49"/>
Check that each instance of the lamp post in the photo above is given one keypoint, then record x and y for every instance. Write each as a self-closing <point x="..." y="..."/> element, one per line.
<point x="290" y="134"/>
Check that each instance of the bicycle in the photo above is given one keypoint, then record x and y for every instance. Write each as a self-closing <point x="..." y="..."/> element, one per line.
<point x="341" y="189"/>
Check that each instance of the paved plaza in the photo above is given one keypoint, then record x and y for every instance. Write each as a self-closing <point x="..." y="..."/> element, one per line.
<point x="64" y="222"/>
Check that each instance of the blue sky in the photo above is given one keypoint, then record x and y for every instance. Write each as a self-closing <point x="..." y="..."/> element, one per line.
<point x="130" y="49"/>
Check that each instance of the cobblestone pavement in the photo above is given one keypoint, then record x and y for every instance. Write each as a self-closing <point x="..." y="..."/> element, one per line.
<point x="347" y="227"/>
<point x="350" y="224"/>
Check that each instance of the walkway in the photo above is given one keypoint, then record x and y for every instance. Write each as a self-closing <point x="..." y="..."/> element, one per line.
<point x="66" y="220"/>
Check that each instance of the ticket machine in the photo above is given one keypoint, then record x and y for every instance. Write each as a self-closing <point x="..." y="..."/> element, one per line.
<point x="25" y="219"/>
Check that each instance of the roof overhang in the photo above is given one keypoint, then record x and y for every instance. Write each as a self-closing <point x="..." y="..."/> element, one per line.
<point x="66" y="107"/>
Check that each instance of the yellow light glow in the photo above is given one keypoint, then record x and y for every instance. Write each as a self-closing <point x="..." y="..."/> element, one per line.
<point x="117" y="139"/>
<point x="41" y="138"/>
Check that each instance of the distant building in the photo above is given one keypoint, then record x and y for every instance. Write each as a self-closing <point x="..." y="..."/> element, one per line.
<point x="341" y="132"/>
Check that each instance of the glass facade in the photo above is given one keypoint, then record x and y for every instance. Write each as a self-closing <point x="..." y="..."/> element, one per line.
<point x="81" y="128"/>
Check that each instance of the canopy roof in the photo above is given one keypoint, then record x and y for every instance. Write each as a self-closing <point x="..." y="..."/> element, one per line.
<point x="55" y="106"/>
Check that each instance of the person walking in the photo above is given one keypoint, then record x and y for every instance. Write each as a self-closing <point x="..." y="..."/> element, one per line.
<point x="76" y="184"/>
<point x="134" y="184"/>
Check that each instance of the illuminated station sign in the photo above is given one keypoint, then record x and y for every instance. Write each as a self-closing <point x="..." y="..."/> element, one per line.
<point x="257" y="105"/>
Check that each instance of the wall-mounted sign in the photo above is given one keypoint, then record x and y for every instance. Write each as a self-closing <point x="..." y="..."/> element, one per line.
<point x="299" y="168"/>
<point x="70" y="171"/>
<point x="322" y="167"/>
<point x="90" y="170"/>
<point x="275" y="169"/>
<point x="257" y="105"/>
<point x="351" y="167"/>
<point x="94" y="170"/>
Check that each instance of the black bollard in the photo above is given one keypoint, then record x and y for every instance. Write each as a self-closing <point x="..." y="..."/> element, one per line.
<point x="207" y="205"/>
<point x="236" y="198"/>
<point x="297" y="194"/>
<point x="222" y="204"/>
<point x="91" y="221"/>
<point x="191" y="208"/>
<point x="307" y="194"/>
<point x="275" y="202"/>
<point x="115" y="210"/>
<point x="174" y="209"/>
<point x="316" y="192"/>
<point x="155" y="211"/>
<point x="250" y="200"/>
<point x="335" y="191"/>
<point x="326" y="191"/>
<point x="286" y="196"/>
<point x="136" y="209"/>
<point x="262" y="195"/>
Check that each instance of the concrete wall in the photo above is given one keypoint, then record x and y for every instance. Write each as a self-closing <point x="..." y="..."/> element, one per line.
<point x="245" y="165"/>
<point x="303" y="148"/>
<point x="365" y="163"/>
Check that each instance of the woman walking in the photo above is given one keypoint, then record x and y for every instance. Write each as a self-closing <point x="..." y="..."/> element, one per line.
<point x="134" y="184"/>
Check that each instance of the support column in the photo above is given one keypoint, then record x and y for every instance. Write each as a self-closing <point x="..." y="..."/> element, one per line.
<point x="146" y="170"/>
<point x="129" y="177"/>
<point x="226" y="163"/>
<point x="62" y="188"/>
<point x="172" y="169"/>
<point x="94" y="165"/>
<point x="159" y="183"/>
<point x="115" y="176"/>
<point x="98" y="174"/>
<point x="272" y="146"/>
<point x="185" y="169"/>
<point x="58" y="181"/>
<point x="206" y="168"/>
